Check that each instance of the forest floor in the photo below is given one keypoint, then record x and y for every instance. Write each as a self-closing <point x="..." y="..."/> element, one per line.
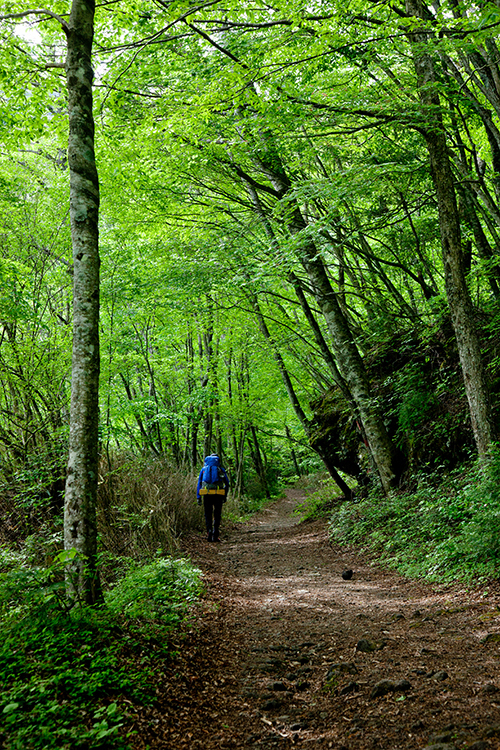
<point x="285" y="653"/>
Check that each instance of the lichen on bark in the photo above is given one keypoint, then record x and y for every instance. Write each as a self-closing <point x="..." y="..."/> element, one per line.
<point x="80" y="529"/>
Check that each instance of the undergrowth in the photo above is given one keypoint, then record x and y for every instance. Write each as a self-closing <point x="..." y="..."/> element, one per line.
<point x="320" y="502"/>
<point x="67" y="677"/>
<point x="448" y="528"/>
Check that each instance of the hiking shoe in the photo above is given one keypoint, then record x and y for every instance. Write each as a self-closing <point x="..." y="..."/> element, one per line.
<point x="216" y="539"/>
<point x="210" y="537"/>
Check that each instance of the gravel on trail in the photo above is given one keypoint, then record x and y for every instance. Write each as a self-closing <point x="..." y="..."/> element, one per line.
<point x="285" y="652"/>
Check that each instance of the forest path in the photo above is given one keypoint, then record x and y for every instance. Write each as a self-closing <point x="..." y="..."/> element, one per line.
<point x="279" y="661"/>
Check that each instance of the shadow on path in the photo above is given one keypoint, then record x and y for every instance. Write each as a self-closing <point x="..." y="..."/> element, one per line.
<point x="288" y="654"/>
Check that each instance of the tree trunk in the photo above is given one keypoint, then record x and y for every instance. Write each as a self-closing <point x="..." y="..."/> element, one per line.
<point x="292" y="452"/>
<point x="257" y="460"/>
<point x="346" y="353"/>
<point x="294" y="400"/>
<point x="80" y="527"/>
<point x="238" y="485"/>
<point x="352" y="367"/>
<point x="457" y="292"/>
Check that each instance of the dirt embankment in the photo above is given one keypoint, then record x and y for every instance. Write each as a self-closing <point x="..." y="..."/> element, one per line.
<point x="288" y="653"/>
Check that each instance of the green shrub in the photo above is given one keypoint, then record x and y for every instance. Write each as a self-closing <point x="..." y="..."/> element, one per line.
<point x="66" y="677"/>
<point x="319" y="504"/>
<point x="449" y="527"/>
<point x="162" y="589"/>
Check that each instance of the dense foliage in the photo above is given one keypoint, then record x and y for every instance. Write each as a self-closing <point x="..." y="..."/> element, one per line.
<point x="299" y="241"/>
<point x="234" y="149"/>
<point x="68" y="678"/>
<point x="446" y="528"/>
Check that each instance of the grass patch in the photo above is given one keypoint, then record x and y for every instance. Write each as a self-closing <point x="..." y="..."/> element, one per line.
<point x="67" y="678"/>
<point x="243" y="510"/>
<point x="447" y="529"/>
<point x="320" y="502"/>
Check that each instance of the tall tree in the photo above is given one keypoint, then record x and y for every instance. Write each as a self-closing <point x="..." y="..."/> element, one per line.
<point x="80" y="527"/>
<point x="457" y="292"/>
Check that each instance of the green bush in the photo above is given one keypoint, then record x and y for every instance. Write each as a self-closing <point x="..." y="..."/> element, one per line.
<point x="319" y="504"/>
<point x="449" y="527"/>
<point x="162" y="589"/>
<point x="67" y="676"/>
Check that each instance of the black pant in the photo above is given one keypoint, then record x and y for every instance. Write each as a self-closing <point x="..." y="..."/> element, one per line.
<point x="212" y="504"/>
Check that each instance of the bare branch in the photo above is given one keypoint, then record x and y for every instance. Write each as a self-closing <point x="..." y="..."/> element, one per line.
<point x="37" y="12"/>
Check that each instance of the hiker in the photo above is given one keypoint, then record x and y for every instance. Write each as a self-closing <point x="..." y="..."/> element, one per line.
<point x="213" y="485"/>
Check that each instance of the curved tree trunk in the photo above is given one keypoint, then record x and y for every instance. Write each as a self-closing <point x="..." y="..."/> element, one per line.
<point x="352" y="378"/>
<point x="352" y="367"/>
<point x="457" y="292"/>
<point x="294" y="400"/>
<point x="80" y="528"/>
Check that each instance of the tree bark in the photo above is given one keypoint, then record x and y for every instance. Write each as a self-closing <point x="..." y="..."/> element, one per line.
<point x="353" y="381"/>
<point x="292" y="452"/>
<point x="351" y="366"/>
<point x="257" y="460"/>
<point x="347" y="355"/>
<point x="457" y="292"/>
<point x="80" y="527"/>
<point x="294" y="400"/>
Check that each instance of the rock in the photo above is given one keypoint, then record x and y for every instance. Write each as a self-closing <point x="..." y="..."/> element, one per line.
<point x="351" y="687"/>
<point x="277" y="686"/>
<point x="347" y="575"/>
<point x="489" y="689"/>
<point x="368" y="647"/>
<point x="478" y="745"/>
<point x="402" y="686"/>
<point x="302" y="685"/>
<point x="440" y="676"/>
<point x="341" y="668"/>
<point x="384" y="687"/>
<point x="271" y="705"/>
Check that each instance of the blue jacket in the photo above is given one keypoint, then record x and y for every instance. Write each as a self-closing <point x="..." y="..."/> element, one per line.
<point x="224" y="476"/>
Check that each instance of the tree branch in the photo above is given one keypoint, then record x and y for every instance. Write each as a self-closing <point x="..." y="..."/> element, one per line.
<point x="37" y="12"/>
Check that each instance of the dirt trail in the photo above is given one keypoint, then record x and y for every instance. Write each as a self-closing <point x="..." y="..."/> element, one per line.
<point x="293" y="655"/>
